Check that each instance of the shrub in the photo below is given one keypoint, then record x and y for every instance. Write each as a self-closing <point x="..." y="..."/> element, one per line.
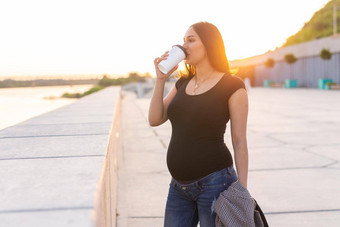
<point x="79" y="95"/>
<point x="72" y="95"/>
<point x="106" y="81"/>
<point x="290" y="58"/>
<point x="93" y="89"/>
<point x="270" y="63"/>
<point x="133" y="77"/>
<point x="325" y="54"/>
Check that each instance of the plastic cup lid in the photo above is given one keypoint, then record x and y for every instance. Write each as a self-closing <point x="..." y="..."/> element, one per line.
<point x="182" y="48"/>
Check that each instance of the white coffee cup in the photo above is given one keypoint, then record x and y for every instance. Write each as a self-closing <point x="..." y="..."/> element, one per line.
<point x="176" y="55"/>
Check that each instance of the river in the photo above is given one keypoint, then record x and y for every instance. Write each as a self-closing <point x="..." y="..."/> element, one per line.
<point x="20" y="104"/>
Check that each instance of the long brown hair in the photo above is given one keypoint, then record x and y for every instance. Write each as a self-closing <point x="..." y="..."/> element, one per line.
<point x="214" y="46"/>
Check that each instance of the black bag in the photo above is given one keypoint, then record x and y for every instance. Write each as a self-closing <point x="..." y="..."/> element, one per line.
<point x="262" y="218"/>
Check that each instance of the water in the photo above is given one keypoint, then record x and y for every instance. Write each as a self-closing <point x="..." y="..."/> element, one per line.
<point x="20" y="104"/>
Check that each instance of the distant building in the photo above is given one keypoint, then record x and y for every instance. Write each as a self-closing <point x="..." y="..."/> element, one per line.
<point x="308" y="68"/>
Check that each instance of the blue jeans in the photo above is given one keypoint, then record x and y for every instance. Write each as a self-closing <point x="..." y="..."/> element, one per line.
<point x="188" y="204"/>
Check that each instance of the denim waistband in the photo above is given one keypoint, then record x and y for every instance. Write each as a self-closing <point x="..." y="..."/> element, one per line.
<point x="209" y="177"/>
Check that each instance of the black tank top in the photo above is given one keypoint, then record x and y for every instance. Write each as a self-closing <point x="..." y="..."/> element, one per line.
<point x="198" y="122"/>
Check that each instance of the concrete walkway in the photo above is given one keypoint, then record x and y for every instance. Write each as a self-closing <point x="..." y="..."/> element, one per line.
<point x="294" y="154"/>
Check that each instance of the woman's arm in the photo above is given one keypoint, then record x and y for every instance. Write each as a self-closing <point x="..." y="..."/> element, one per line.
<point x="158" y="105"/>
<point x="238" y="109"/>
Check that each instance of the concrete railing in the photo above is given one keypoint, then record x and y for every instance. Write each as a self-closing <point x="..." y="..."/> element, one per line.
<point x="105" y="203"/>
<point x="60" y="168"/>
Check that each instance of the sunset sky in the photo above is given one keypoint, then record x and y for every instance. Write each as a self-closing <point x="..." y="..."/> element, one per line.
<point x="41" y="37"/>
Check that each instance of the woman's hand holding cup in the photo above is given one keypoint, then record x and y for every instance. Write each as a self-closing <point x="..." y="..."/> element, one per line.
<point x="159" y="74"/>
<point x="168" y="62"/>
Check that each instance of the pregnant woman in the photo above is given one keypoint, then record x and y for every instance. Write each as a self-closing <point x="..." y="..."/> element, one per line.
<point x="199" y="106"/>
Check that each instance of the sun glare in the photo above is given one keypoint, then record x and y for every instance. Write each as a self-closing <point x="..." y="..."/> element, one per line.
<point x="112" y="37"/>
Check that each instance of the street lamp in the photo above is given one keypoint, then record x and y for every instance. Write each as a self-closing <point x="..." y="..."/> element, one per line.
<point x="335" y="8"/>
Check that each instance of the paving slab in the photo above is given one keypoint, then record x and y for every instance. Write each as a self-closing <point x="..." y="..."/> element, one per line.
<point x="311" y="219"/>
<point x="326" y="150"/>
<point x="68" y="118"/>
<point x="293" y="190"/>
<point x="58" y="146"/>
<point x="31" y="184"/>
<point x="85" y="128"/>
<point x="70" y="217"/>
<point x="285" y="157"/>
